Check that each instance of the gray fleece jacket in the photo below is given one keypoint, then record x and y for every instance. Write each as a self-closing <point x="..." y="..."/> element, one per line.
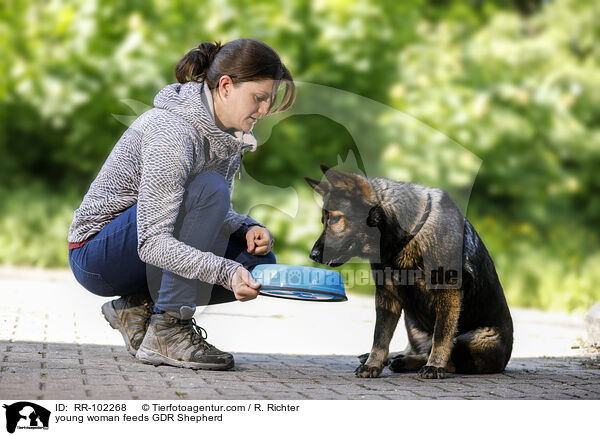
<point x="150" y="165"/>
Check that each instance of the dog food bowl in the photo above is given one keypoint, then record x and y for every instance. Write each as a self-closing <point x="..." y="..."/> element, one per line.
<point x="299" y="282"/>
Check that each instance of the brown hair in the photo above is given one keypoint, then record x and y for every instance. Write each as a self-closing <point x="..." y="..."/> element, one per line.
<point x="243" y="60"/>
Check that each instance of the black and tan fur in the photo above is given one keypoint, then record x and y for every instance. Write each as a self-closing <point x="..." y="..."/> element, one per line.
<point x="464" y="327"/>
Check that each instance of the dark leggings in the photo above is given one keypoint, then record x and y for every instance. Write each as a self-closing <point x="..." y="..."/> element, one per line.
<point x="109" y="265"/>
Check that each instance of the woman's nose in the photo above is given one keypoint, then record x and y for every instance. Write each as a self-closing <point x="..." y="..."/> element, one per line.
<point x="263" y="108"/>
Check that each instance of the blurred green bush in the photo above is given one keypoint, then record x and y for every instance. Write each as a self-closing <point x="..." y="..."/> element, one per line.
<point x="518" y="86"/>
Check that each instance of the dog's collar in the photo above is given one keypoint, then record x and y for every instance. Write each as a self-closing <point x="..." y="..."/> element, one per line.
<point x="421" y="221"/>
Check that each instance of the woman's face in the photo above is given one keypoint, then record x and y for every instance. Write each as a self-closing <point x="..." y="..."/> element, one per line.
<point x="239" y="106"/>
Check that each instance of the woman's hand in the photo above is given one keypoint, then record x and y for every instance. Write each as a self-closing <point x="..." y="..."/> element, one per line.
<point x="243" y="285"/>
<point x="259" y="240"/>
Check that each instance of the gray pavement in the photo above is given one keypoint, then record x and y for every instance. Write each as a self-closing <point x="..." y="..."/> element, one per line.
<point x="55" y="344"/>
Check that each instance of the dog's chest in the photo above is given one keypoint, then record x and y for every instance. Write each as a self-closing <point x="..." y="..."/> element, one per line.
<point x="418" y="304"/>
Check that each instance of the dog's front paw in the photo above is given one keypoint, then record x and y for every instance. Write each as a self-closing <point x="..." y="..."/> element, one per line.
<point x="432" y="372"/>
<point x="367" y="371"/>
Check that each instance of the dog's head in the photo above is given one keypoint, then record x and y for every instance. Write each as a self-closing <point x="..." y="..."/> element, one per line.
<point x="350" y="218"/>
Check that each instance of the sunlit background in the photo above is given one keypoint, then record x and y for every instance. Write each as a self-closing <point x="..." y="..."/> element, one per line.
<point x="496" y="101"/>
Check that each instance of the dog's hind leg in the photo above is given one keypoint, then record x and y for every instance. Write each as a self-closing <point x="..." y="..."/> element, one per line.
<point x="387" y="311"/>
<point x="408" y="362"/>
<point x="419" y="341"/>
<point x="447" y="304"/>
<point x="408" y="350"/>
<point x="480" y="351"/>
<point x="417" y="351"/>
<point x="391" y="356"/>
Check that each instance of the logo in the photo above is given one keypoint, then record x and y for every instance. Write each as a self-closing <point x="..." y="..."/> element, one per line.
<point x="26" y="415"/>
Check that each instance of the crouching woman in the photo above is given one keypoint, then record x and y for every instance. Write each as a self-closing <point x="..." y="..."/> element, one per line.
<point x="158" y="215"/>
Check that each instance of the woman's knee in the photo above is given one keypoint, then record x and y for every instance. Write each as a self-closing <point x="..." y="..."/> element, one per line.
<point x="268" y="258"/>
<point x="237" y="250"/>
<point x="254" y="260"/>
<point x="209" y="186"/>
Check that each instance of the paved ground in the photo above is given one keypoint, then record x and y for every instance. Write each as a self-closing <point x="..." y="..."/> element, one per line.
<point x="55" y="344"/>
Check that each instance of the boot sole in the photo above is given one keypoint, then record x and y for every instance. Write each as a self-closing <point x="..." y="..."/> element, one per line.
<point x="153" y="358"/>
<point x="111" y="316"/>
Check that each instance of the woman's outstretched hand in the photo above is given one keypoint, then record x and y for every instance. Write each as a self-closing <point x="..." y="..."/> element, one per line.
<point x="259" y="240"/>
<point x="243" y="285"/>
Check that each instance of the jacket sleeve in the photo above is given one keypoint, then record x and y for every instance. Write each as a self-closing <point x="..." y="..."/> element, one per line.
<point x="166" y="165"/>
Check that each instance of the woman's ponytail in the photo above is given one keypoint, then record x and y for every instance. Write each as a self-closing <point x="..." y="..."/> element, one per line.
<point x="243" y="60"/>
<point x="194" y="65"/>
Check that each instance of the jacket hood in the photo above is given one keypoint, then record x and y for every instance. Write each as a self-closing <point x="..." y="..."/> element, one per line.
<point x="192" y="102"/>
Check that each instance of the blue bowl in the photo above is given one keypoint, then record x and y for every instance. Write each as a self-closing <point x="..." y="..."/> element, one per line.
<point x="299" y="282"/>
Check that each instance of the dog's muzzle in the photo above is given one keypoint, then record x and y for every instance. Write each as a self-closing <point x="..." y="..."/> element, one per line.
<point x="316" y="255"/>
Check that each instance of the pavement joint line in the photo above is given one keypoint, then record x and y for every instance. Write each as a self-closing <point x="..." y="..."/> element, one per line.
<point x="287" y="385"/>
<point x="302" y="394"/>
<point x="515" y="389"/>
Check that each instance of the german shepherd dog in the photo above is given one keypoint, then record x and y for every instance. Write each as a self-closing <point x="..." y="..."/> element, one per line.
<point x="455" y="312"/>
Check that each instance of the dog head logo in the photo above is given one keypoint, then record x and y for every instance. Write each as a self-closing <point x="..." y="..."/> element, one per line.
<point x="26" y="415"/>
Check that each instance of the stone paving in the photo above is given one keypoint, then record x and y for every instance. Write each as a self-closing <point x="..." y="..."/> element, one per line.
<point x="54" y="344"/>
<point x="70" y="371"/>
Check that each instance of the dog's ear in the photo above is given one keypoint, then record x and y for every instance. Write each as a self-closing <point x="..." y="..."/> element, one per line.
<point x="356" y="184"/>
<point x="321" y="187"/>
<point x="376" y="217"/>
<point x="324" y="168"/>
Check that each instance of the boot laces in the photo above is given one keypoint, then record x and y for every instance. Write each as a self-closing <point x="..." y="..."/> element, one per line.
<point x="149" y="309"/>
<point x="198" y="335"/>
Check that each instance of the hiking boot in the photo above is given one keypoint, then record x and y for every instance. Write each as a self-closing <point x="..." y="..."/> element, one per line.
<point x="175" y="339"/>
<point x="130" y="315"/>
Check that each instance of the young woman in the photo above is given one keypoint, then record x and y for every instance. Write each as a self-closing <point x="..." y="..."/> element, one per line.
<point x="158" y="215"/>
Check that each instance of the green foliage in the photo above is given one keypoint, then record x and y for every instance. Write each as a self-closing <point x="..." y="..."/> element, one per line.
<point x="517" y="87"/>
<point x="33" y="225"/>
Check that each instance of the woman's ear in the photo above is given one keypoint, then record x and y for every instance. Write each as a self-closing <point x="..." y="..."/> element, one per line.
<point x="376" y="217"/>
<point x="224" y="86"/>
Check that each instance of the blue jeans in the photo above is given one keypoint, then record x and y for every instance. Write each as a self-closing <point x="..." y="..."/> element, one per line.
<point x="109" y="265"/>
